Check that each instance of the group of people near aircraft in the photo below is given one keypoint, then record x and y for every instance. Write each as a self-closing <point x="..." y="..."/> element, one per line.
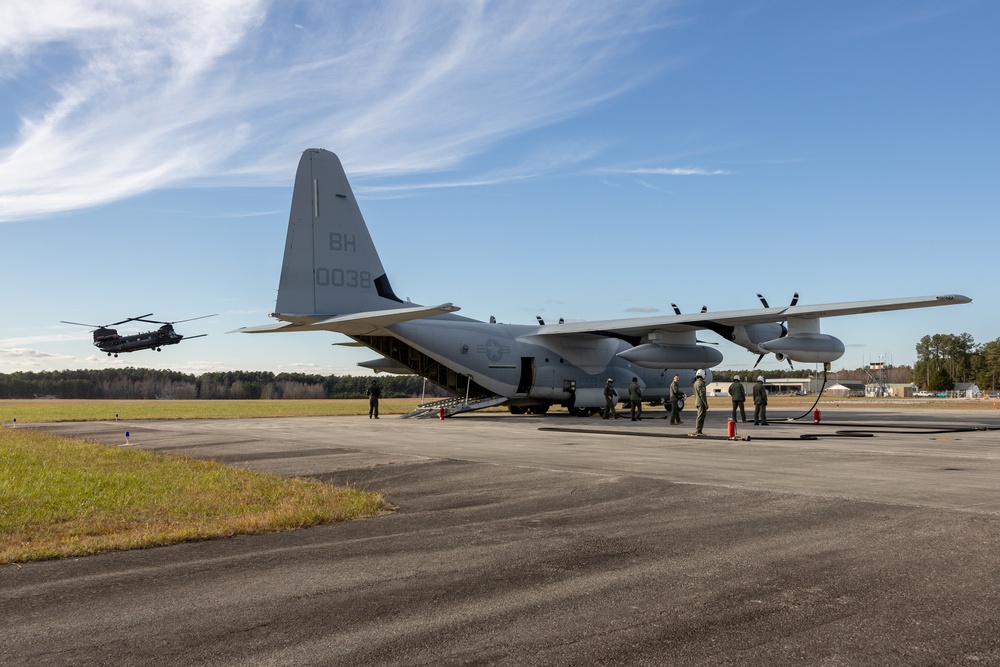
<point x="736" y="391"/>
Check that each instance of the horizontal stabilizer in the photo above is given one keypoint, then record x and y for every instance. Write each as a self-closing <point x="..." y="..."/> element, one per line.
<point x="384" y="365"/>
<point x="269" y="328"/>
<point x="371" y="323"/>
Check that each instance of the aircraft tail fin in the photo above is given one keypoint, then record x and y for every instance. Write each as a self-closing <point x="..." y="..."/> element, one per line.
<point x="330" y="265"/>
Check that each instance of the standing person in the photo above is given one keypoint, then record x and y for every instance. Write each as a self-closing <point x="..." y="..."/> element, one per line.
<point x="610" y="398"/>
<point x="700" y="403"/>
<point x="676" y="396"/>
<point x="759" y="402"/>
<point x="374" y="391"/>
<point x="635" y="399"/>
<point x="739" y="395"/>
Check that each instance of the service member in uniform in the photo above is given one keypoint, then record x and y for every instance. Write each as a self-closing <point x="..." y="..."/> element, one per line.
<point x="635" y="399"/>
<point x="374" y="391"/>
<point x="700" y="403"/>
<point x="676" y="396"/>
<point x="739" y="395"/>
<point x="759" y="402"/>
<point x="610" y="398"/>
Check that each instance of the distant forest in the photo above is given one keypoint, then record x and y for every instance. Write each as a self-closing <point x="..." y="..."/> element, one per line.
<point x="144" y="383"/>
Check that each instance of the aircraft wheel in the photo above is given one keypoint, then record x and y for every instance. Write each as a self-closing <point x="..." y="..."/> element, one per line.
<point x="517" y="409"/>
<point x="580" y="412"/>
<point x="539" y="409"/>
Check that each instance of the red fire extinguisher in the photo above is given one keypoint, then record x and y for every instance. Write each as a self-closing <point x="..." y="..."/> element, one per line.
<point x="731" y="429"/>
<point x="816" y="416"/>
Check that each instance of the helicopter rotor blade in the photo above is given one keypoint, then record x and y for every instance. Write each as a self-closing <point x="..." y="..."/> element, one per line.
<point x="130" y="319"/>
<point x="190" y="319"/>
<point x="95" y="326"/>
<point x="198" y="336"/>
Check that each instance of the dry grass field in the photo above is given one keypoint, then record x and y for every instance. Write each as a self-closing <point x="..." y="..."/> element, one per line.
<point x="39" y="410"/>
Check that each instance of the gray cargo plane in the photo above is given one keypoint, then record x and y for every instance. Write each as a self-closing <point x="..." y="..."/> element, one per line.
<point x="332" y="280"/>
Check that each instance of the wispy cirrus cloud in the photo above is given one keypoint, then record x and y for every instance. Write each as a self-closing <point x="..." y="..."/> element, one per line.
<point x="669" y="171"/>
<point x="120" y="97"/>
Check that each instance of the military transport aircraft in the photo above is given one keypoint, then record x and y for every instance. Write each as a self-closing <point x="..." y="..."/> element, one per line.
<point x="110" y="341"/>
<point x="332" y="280"/>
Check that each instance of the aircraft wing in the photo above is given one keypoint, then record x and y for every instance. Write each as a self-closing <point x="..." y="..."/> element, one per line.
<point x="639" y="326"/>
<point x="669" y="341"/>
<point x="371" y="323"/>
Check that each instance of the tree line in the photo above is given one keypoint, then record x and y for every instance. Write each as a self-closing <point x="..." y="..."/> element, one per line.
<point x="147" y="383"/>
<point x="944" y="359"/>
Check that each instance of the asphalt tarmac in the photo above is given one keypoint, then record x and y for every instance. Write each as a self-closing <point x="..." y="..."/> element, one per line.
<point x="558" y="541"/>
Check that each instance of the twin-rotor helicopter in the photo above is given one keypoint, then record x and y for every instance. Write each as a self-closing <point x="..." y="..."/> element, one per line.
<point x="109" y="340"/>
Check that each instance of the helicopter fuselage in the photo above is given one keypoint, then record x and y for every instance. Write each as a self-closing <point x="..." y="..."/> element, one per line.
<point x="111" y="342"/>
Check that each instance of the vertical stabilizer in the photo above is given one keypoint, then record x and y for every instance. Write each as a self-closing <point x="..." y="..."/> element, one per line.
<point x="331" y="266"/>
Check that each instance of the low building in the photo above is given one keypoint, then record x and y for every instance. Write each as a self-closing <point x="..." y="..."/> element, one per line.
<point x="967" y="390"/>
<point x="904" y="390"/>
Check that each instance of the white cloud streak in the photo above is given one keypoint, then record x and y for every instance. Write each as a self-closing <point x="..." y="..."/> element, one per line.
<point x="119" y="97"/>
<point x="672" y="171"/>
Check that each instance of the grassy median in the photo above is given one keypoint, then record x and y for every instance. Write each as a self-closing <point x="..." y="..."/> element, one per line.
<point x="27" y="411"/>
<point x="61" y="497"/>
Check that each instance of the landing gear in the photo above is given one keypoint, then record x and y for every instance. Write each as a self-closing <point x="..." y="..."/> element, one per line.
<point x="581" y="412"/>
<point x="539" y="409"/>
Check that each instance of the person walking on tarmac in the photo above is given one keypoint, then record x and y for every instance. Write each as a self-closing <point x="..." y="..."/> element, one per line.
<point x="676" y="396"/>
<point x="635" y="399"/>
<point x="759" y="402"/>
<point x="374" y="391"/>
<point x="739" y="395"/>
<point x="700" y="403"/>
<point x="610" y="398"/>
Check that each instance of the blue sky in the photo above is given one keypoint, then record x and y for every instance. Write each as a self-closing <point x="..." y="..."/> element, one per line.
<point x="585" y="160"/>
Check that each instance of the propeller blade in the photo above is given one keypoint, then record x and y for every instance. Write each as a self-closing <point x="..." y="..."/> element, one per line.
<point x="795" y="299"/>
<point x="758" y="361"/>
<point x="677" y="311"/>
<point x="762" y="300"/>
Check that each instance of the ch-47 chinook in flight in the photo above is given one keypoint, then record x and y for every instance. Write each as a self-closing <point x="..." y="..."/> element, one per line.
<point x="332" y="280"/>
<point x="109" y="340"/>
